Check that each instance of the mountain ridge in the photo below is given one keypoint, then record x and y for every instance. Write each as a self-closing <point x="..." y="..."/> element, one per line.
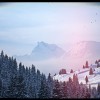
<point x="74" y="58"/>
<point x="44" y="51"/>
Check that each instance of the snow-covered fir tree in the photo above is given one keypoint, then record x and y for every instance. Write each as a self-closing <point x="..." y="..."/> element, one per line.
<point x="90" y="71"/>
<point x="43" y="92"/>
<point x="56" y="89"/>
<point x="50" y="84"/>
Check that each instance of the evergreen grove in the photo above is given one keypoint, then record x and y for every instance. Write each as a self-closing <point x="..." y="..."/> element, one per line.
<point x="18" y="81"/>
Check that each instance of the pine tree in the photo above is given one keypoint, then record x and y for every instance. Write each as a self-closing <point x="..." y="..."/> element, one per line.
<point x="64" y="90"/>
<point x="21" y="87"/>
<point x="82" y="92"/>
<point x="60" y="72"/>
<point x="90" y="90"/>
<point x="70" y="88"/>
<point x="74" y="77"/>
<point x="0" y="88"/>
<point x="96" y="62"/>
<point x="90" y="71"/>
<point x="50" y="85"/>
<point x="27" y="82"/>
<point x="33" y="81"/>
<point x="86" y="79"/>
<point x="14" y="67"/>
<point x="5" y="74"/>
<point x="87" y="66"/>
<point x="98" y="88"/>
<point x="94" y="92"/>
<point x="56" y="89"/>
<point x="75" y="85"/>
<point x="17" y="88"/>
<point x="99" y="60"/>
<point x="87" y="94"/>
<point x="55" y="74"/>
<point x="77" y="94"/>
<point x="12" y="89"/>
<point x="20" y="69"/>
<point x="83" y="66"/>
<point x="71" y="71"/>
<point x="2" y="54"/>
<point x="98" y="65"/>
<point x="38" y="83"/>
<point x="43" y="92"/>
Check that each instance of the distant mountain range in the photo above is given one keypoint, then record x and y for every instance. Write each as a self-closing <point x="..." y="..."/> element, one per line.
<point x="43" y="51"/>
<point x="50" y="56"/>
<point x="84" y="49"/>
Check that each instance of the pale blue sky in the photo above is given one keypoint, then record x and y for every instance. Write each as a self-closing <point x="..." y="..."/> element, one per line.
<point x="24" y="24"/>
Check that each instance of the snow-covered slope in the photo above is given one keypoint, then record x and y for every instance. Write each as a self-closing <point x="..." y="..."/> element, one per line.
<point x="82" y="73"/>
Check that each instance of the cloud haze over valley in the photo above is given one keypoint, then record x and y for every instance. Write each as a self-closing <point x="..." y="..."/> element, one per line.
<point x="51" y="35"/>
<point x="45" y="56"/>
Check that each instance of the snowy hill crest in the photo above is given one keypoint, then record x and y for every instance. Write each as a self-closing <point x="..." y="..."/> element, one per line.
<point x="94" y="78"/>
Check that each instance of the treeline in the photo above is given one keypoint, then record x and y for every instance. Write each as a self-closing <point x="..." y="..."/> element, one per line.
<point x="19" y="81"/>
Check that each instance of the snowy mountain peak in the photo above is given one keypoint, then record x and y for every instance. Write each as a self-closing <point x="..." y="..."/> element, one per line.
<point x="41" y="43"/>
<point x="44" y="51"/>
<point x="43" y="47"/>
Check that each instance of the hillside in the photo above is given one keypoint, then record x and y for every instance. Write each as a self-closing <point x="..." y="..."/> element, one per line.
<point x="82" y="51"/>
<point x="82" y="73"/>
<point x="84" y="48"/>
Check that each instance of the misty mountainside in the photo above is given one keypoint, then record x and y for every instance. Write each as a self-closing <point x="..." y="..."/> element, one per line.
<point x="82" y="51"/>
<point x="54" y="57"/>
<point x="84" y="48"/>
<point x="43" y="51"/>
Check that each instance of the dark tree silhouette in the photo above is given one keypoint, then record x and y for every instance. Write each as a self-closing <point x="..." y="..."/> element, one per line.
<point x="62" y="71"/>
<point x="83" y="66"/>
<point x="90" y="71"/>
<point x="87" y="66"/>
<point x="86" y="79"/>
<point x="71" y="71"/>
